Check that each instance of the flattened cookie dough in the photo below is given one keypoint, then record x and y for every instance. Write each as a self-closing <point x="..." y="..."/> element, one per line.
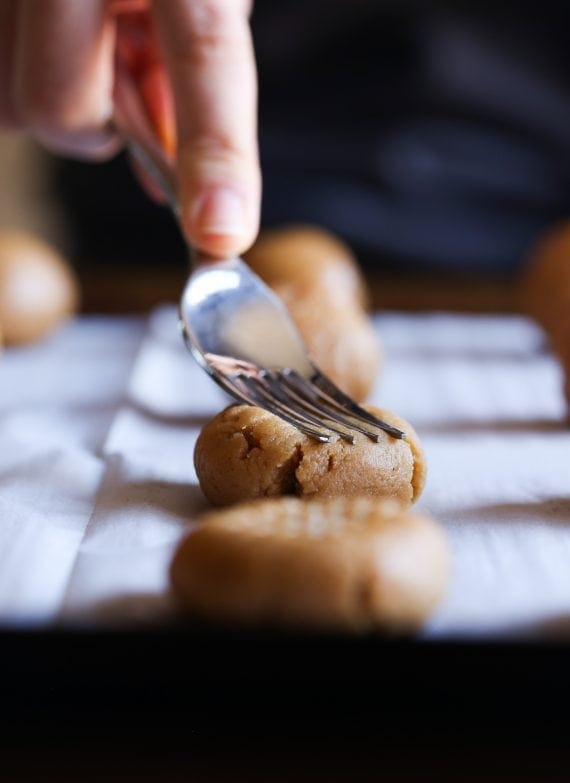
<point x="351" y="564"/>
<point x="245" y="453"/>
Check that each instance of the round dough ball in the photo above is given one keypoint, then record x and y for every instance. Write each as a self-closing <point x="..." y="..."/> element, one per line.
<point x="318" y="278"/>
<point x="345" y="564"/>
<point x="545" y="285"/>
<point x="37" y="288"/>
<point x="342" y="342"/>
<point x="245" y="453"/>
<point x="545" y="291"/>
<point x="308" y="260"/>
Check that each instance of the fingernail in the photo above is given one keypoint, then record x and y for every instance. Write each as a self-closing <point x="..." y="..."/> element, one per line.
<point x="221" y="212"/>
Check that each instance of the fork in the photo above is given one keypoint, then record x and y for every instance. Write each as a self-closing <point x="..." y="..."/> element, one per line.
<point x="238" y="329"/>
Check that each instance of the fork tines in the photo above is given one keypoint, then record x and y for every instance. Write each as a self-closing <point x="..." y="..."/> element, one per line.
<point x="316" y="406"/>
<point x="328" y="398"/>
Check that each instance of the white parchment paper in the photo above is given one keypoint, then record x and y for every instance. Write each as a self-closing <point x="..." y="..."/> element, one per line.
<point x="97" y="483"/>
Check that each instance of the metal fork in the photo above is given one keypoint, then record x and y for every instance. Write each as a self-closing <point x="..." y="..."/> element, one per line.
<point x="239" y="331"/>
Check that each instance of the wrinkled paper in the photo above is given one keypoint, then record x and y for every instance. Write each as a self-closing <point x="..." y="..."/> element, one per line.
<point x="97" y="483"/>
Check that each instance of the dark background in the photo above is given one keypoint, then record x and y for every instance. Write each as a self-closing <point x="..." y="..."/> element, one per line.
<point x="199" y="704"/>
<point x="433" y="136"/>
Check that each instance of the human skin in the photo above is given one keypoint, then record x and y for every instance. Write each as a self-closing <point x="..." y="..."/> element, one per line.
<point x="59" y="80"/>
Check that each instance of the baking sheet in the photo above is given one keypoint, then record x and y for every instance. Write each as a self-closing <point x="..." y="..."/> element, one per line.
<point x="97" y="483"/>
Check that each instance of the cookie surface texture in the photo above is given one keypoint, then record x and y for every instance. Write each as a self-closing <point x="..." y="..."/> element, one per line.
<point x="317" y="277"/>
<point x="347" y="564"/>
<point x="245" y="453"/>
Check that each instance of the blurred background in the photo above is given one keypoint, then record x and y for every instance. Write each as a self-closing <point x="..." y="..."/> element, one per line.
<point x="433" y="137"/>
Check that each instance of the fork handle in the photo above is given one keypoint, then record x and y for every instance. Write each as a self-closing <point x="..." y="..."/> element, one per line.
<point x="133" y="119"/>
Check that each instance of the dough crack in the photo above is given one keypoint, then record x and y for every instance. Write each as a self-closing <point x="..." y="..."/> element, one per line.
<point x="251" y="440"/>
<point x="296" y="459"/>
<point x="266" y="456"/>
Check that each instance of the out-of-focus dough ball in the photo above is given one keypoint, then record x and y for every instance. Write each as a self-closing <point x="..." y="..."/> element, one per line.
<point x="545" y="284"/>
<point x="318" y="278"/>
<point x="245" y="453"/>
<point x="545" y="290"/>
<point x="345" y="564"/>
<point x="342" y="342"/>
<point x="310" y="261"/>
<point x="37" y="288"/>
<point x="561" y="343"/>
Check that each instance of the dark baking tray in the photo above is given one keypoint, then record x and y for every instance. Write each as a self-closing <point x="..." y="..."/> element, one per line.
<point x="202" y="680"/>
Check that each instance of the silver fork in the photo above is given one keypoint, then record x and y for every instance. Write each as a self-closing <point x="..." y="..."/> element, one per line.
<point x="239" y="331"/>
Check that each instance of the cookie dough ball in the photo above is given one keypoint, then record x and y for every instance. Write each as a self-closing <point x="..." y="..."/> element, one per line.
<point x="317" y="277"/>
<point x="545" y="290"/>
<point x="562" y="346"/>
<point x="341" y="341"/>
<point x="343" y="564"/>
<point x="545" y="285"/>
<point x="311" y="261"/>
<point x="37" y="288"/>
<point x="246" y="453"/>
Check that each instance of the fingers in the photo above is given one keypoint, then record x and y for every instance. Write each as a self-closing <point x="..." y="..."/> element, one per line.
<point x="64" y="75"/>
<point x="127" y="6"/>
<point x="8" y="115"/>
<point x="140" y="75"/>
<point x="208" y="52"/>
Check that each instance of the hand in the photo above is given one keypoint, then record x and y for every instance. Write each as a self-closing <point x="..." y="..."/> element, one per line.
<point x="57" y="77"/>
